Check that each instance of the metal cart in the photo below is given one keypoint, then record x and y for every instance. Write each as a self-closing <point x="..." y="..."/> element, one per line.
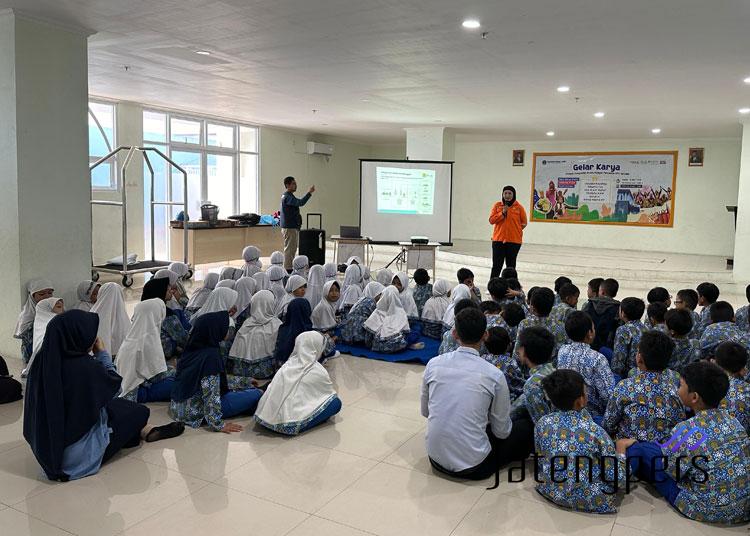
<point x="128" y="270"/>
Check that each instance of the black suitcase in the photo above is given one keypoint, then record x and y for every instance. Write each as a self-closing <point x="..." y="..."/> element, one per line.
<point x="312" y="242"/>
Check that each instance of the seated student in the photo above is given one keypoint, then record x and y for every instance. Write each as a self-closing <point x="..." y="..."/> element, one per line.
<point x="515" y="292"/>
<point x="253" y="265"/>
<point x="73" y="419"/>
<point x="512" y="314"/>
<point x="465" y="399"/>
<point x="201" y="392"/>
<point x="460" y="292"/>
<point x="384" y="277"/>
<point x="229" y="273"/>
<point x="46" y="310"/>
<point x="401" y="282"/>
<point x="721" y="329"/>
<point x="174" y="300"/>
<point x="315" y="281"/>
<point x="141" y="363"/>
<point x="627" y="336"/>
<point x="448" y="343"/>
<point x="277" y="280"/>
<point x="221" y="299"/>
<point x="498" y="290"/>
<point x="114" y="321"/>
<point x="10" y="388"/>
<point x="708" y="294"/>
<point x="182" y="270"/>
<point x="435" y="308"/>
<point x="732" y="358"/>
<point x="570" y="435"/>
<point x="324" y="317"/>
<point x="568" y="302"/>
<point x="200" y="296"/>
<point x="687" y="299"/>
<point x="297" y="320"/>
<point x="535" y="345"/>
<point x="353" y="325"/>
<point x="646" y="406"/>
<point x="226" y="283"/>
<point x="655" y="313"/>
<point x="87" y="292"/>
<point x="388" y="324"/>
<point x="331" y="271"/>
<point x="300" y="266"/>
<point x="713" y="490"/>
<point x="466" y="277"/>
<point x="541" y="302"/>
<point x="277" y="259"/>
<point x="493" y="312"/>
<point x="301" y="394"/>
<point x="509" y="273"/>
<point x="592" y="290"/>
<point x="262" y="282"/>
<point x="657" y="295"/>
<point x="296" y="287"/>
<point x="422" y="289"/>
<point x="351" y="289"/>
<point x="251" y="354"/>
<point x="497" y="352"/>
<point x="604" y="310"/>
<point x="37" y="290"/>
<point x="592" y="365"/>
<point x="560" y="282"/>
<point x="742" y="319"/>
<point x="173" y="334"/>
<point x="245" y="289"/>
<point x="680" y="324"/>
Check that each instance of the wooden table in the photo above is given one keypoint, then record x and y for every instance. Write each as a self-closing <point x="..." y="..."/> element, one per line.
<point x="420" y="256"/>
<point x="220" y="244"/>
<point x="343" y="248"/>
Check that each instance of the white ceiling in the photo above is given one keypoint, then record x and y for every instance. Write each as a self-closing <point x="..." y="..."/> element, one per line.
<point x="373" y="67"/>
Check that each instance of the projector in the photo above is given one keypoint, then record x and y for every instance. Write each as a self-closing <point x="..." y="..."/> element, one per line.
<point x="420" y="240"/>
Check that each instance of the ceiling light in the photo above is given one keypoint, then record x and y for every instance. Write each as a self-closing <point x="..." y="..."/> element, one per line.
<point x="747" y="80"/>
<point x="655" y="130"/>
<point x="563" y="89"/>
<point x="471" y="24"/>
<point x="551" y="133"/>
<point x="203" y="52"/>
<point x="599" y="115"/>
<point x="744" y="110"/>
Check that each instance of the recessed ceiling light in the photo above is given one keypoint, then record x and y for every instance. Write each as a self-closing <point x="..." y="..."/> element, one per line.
<point x="438" y="121"/>
<point x="655" y="130"/>
<point x="551" y="133"/>
<point x="747" y="80"/>
<point x="471" y="24"/>
<point x="365" y="100"/>
<point x="563" y="89"/>
<point x="203" y="52"/>
<point x="599" y="115"/>
<point x="744" y="110"/>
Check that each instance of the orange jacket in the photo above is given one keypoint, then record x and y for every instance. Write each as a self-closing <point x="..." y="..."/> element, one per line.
<point x="508" y="228"/>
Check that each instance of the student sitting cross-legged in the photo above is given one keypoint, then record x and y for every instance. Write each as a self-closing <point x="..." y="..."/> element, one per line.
<point x="732" y="358"/>
<point x="721" y="329"/>
<point x="535" y="347"/>
<point x="568" y="302"/>
<point x="628" y="336"/>
<point x="679" y="325"/>
<point x="541" y="301"/>
<point x="497" y="346"/>
<point x="465" y="399"/>
<point x="578" y="466"/>
<point x="703" y="469"/>
<point x="655" y="317"/>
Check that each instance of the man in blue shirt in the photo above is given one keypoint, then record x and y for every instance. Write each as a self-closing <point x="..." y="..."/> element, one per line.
<point x="291" y="219"/>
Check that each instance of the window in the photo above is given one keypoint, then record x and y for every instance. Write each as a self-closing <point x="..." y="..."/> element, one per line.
<point x="101" y="143"/>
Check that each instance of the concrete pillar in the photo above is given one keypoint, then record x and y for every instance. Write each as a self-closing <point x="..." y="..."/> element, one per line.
<point x="430" y="143"/>
<point x="742" y="234"/>
<point x="45" y="228"/>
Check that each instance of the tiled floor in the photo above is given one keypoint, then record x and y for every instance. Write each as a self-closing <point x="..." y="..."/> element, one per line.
<point x="364" y="473"/>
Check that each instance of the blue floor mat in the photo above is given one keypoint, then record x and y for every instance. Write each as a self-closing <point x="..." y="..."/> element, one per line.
<point x="430" y="350"/>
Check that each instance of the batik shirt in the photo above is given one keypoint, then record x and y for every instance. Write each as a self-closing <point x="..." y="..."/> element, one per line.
<point x="389" y="345"/>
<point x="557" y="329"/>
<point x="27" y="344"/>
<point x="737" y="402"/>
<point x="595" y="370"/>
<point x="561" y="312"/>
<point x="627" y="338"/>
<point x="741" y="318"/>
<point x="644" y="407"/>
<point x="509" y="367"/>
<point x="704" y="322"/>
<point x="448" y="343"/>
<point x="133" y="395"/>
<point x="685" y="352"/>
<point x="715" y="334"/>
<point x="695" y="332"/>
<point x="497" y="321"/>
<point x="476" y="294"/>
<point x="421" y="294"/>
<point x="533" y="397"/>
<point x="572" y="434"/>
<point x="205" y="405"/>
<point x="174" y="337"/>
<point x="296" y="427"/>
<point x="352" y="327"/>
<point x="721" y="494"/>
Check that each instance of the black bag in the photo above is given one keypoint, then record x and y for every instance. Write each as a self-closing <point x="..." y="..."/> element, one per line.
<point x="312" y="242"/>
<point x="10" y="388"/>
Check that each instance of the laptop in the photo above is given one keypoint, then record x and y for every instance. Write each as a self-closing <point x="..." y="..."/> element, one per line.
<point x="349" y="231"/>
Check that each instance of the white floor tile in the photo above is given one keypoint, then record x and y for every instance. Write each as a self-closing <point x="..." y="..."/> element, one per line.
<point x="21" y="476"/>
<point x="15" y="523"/>
<point x="316" y="526"/>
<point x="11" y="430"/>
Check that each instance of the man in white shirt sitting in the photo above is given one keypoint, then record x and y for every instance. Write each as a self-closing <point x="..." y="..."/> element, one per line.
<point x="466" y="401"/>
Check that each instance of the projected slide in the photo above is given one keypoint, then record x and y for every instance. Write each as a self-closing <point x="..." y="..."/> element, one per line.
<point x="405" y="191"/>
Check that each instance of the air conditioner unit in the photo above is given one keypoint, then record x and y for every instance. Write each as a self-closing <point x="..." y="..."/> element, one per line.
<point x="319" y="148"/>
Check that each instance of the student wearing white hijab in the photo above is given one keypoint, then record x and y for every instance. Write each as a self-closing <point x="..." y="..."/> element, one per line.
<point x="351" y="290"/>
<point x="296" y="287"/>
<point x="175" y="302"/>
<point x="251" y="354"/>
<point x="401" y="282"/>
<point x="201" y="295"/>
<point x="277" y="259"/>
<point x="87" y="292"/>
<point x="182" y="270"/>
<point x="301" y="394"/>
<point x="141" y="363"/>
<point x="384" y="277"/>
<point x="220" y="299"/>
<point x="276" y="276"/>
<point x="300" y="265"/>
<point x="324" y="314"/>
<point x="388" y="324"/>
<point x="353" y="260"/>
<point x="245" y="288"/>
<point x="226" y="283"/>
<point x="261" y="281"/>
<point x="46" y="310"/>
<point x="315" y="281"/>
<point x="229" y="272"/>
<point x="37" y="290"/>
<point x="251" y="255"/>
<point x="461" y="292"/>
<point x="435" y="308"/>
<point x="352" y="327"/>
<point x="366" y="277"/>
<point x="331" y="271"/>
<point x="114" y="322"/>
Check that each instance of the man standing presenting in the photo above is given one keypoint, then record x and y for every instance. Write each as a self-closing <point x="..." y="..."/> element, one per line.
<point x="291" y="219"/>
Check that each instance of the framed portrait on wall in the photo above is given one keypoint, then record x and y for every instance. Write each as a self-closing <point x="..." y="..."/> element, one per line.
<point x="518" y="157"/>
<point x="695" y="156"/>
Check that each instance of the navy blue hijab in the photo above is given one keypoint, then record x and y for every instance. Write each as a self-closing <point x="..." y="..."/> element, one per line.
<point x="297" y="320"/>
<point x="66" y="389"/>
<point x="157" y="288"/>
<point x="202" y="357"/>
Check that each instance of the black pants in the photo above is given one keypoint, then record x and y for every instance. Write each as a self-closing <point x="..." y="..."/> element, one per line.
<point x="126" y="419"/>
<point x="516" y="447"/>
<point x="503" y="252"/>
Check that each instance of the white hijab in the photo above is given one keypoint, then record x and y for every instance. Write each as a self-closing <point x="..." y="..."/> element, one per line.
<point x="353" y="259"/>
<point x="293" y="283"/>
<point x="26" y="317"/>
<point x="366" y="276"/>
<point x="256" y="339"/>
<point x="276" y="277"/>
<point x="351" y="291"/>
<point x="245" y="288"/>
<point x="331" y="271"/>
<point x="435" y="308"/>
<point x="201" y="295"/>
<point x="221" y="299"/>
<point x="315" y="281"/>
<point x="114" y="322"/>
<point x="43" y="316"/>
<point x="180" y="268"/>
<point x="173" y="281"/>
<point x="300" y="387"/>
<point x="324" y="315"/>
<point x="385" y="277"/>
<point x="388" y="318"/>
<point x="300" y="265"/>
<point x="277" y="259"/>
<point x="226" y="283"/>
<point x="461" y="292"/>
<point x="261" y="281"/>
<point x="141" y="356"/>
<point x="372" y="291"/>
<point x="407" y="298"/>
<point x="84" y="291"/>
<point x="251" y="255"/>
<point x="230" y="273"/>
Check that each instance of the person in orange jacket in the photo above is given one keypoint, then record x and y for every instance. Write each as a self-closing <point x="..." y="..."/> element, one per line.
<point x="509" y="219"/>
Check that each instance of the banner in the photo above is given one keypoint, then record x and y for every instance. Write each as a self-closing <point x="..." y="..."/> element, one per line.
<point x="625" y="188"/>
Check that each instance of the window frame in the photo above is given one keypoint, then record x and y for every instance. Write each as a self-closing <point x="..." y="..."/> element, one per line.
<point x="114" y="170"/>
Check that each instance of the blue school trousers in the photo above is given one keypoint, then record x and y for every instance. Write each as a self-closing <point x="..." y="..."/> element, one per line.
<point x="240" y="402"/>
<point x="646" y="460"/>
<point x="334" y="406"/>
<point x="160" y="391"/>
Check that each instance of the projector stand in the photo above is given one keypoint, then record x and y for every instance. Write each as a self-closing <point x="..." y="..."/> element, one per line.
<point x="399" y="259"/>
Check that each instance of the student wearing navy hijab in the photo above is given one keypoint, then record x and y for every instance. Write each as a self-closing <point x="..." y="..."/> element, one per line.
<point x="175" y="327"/>
<point x="297" y="320"/>
<point x="201" y="390"/>
<point x="73" y="419"/>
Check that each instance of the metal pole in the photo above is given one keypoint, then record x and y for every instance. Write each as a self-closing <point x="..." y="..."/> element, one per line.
<point x="125" y="211"/>
<point x="151" y="170"/>
<point x="108" y="156"/>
